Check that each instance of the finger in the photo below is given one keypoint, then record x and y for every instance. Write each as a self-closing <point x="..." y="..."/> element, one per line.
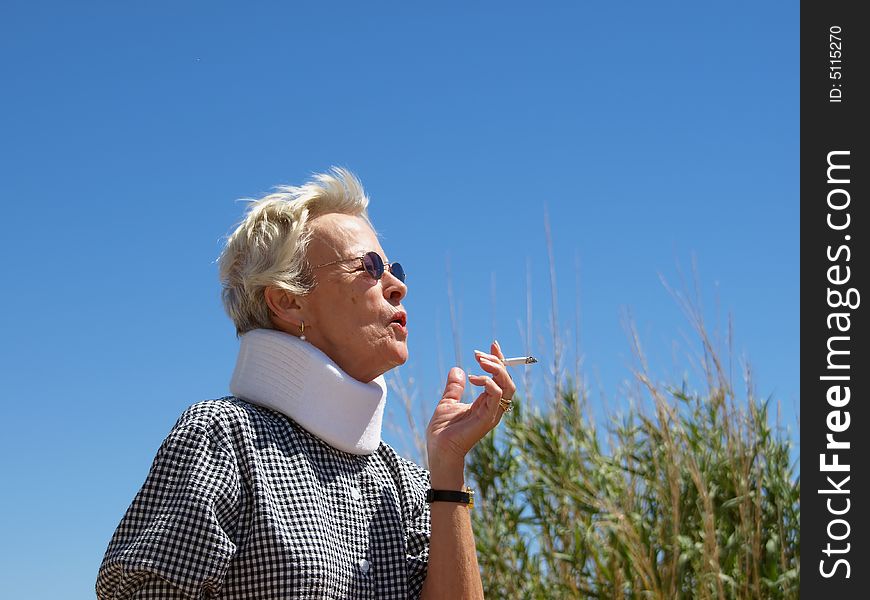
<point x="493" y="389"/>
<point x="500" y="374"/>
<point x="490" y="405"/>
<point x="486" y="405"/>
<point x="491" y="393"/>
<point x="492" y="357"/>
<point x="489" y="385"/>
<point x="489" y="364"/>
<point x="480" y="381"/>
<point x="495" y="349"/>
<point x="455" y="386"/>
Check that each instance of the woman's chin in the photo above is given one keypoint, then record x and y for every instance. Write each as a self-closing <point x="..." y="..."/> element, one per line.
<point x="399" y="353"/>
<point x="396" y="357"/>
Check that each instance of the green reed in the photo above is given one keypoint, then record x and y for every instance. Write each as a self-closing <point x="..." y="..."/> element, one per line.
<point x="688" y="495"/>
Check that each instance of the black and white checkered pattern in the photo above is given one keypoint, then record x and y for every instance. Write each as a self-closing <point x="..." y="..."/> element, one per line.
<point x="241" y="502"/>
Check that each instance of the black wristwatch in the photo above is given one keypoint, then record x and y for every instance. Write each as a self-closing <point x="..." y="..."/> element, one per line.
<point x="464" y="497"/>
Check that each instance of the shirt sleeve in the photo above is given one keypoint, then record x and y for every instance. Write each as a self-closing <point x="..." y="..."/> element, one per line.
<point x="175" y="538"/>
<point x="418" y="534"/>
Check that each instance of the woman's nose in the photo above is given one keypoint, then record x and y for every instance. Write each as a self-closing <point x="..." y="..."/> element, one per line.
<point x="394" y="288"/>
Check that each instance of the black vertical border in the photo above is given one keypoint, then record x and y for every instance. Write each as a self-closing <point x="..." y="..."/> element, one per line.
<point x="828" y="126"/>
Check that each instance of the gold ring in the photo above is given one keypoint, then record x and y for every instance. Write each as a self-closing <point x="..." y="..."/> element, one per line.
<point x="506" y="404"/>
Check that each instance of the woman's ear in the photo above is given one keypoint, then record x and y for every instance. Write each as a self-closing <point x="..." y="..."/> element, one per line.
<point x="284" y="306"/>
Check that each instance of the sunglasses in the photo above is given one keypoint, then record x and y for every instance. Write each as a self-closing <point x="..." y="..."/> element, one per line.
<point x="373" y="264"/>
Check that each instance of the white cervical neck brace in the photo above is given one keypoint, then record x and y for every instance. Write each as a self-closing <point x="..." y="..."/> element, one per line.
<point x="281" y="372"/>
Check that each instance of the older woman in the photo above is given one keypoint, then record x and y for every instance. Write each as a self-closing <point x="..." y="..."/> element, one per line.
<point x="285" y="489"/>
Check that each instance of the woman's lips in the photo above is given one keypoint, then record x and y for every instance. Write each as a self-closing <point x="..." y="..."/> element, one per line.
<point x="400" y="322"/>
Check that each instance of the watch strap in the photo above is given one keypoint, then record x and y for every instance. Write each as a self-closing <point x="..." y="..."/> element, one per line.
<point x="461" y="497"/>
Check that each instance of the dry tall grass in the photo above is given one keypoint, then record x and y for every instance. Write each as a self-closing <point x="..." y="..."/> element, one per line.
<point x="694" y="497"/>
<point x="688" y="495"/>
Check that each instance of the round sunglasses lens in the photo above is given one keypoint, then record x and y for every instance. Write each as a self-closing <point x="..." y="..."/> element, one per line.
<point x="398" y="272"/>
<point x="374" y="264"/>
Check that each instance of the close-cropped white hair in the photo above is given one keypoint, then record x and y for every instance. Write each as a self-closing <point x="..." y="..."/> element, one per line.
<point x="268" y="247"/>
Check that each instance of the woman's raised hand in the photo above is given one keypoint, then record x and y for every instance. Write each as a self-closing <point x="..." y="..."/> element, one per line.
<point x="456" y="427"/>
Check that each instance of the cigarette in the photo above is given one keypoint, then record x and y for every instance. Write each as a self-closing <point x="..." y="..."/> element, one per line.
<point x="520" y="360"/>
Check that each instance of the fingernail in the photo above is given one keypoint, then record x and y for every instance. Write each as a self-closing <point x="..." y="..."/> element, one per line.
<point x="497" y="344"/>
<point x="478" y="352"/>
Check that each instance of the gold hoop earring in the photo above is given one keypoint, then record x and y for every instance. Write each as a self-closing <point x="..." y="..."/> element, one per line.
<point x="302" y="331"/>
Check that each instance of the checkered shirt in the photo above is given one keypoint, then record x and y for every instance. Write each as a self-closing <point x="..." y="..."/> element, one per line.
<point x="242" y="502"/>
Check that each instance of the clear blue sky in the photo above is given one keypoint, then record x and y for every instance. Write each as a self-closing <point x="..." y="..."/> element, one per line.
<point x="651" y="132"/>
